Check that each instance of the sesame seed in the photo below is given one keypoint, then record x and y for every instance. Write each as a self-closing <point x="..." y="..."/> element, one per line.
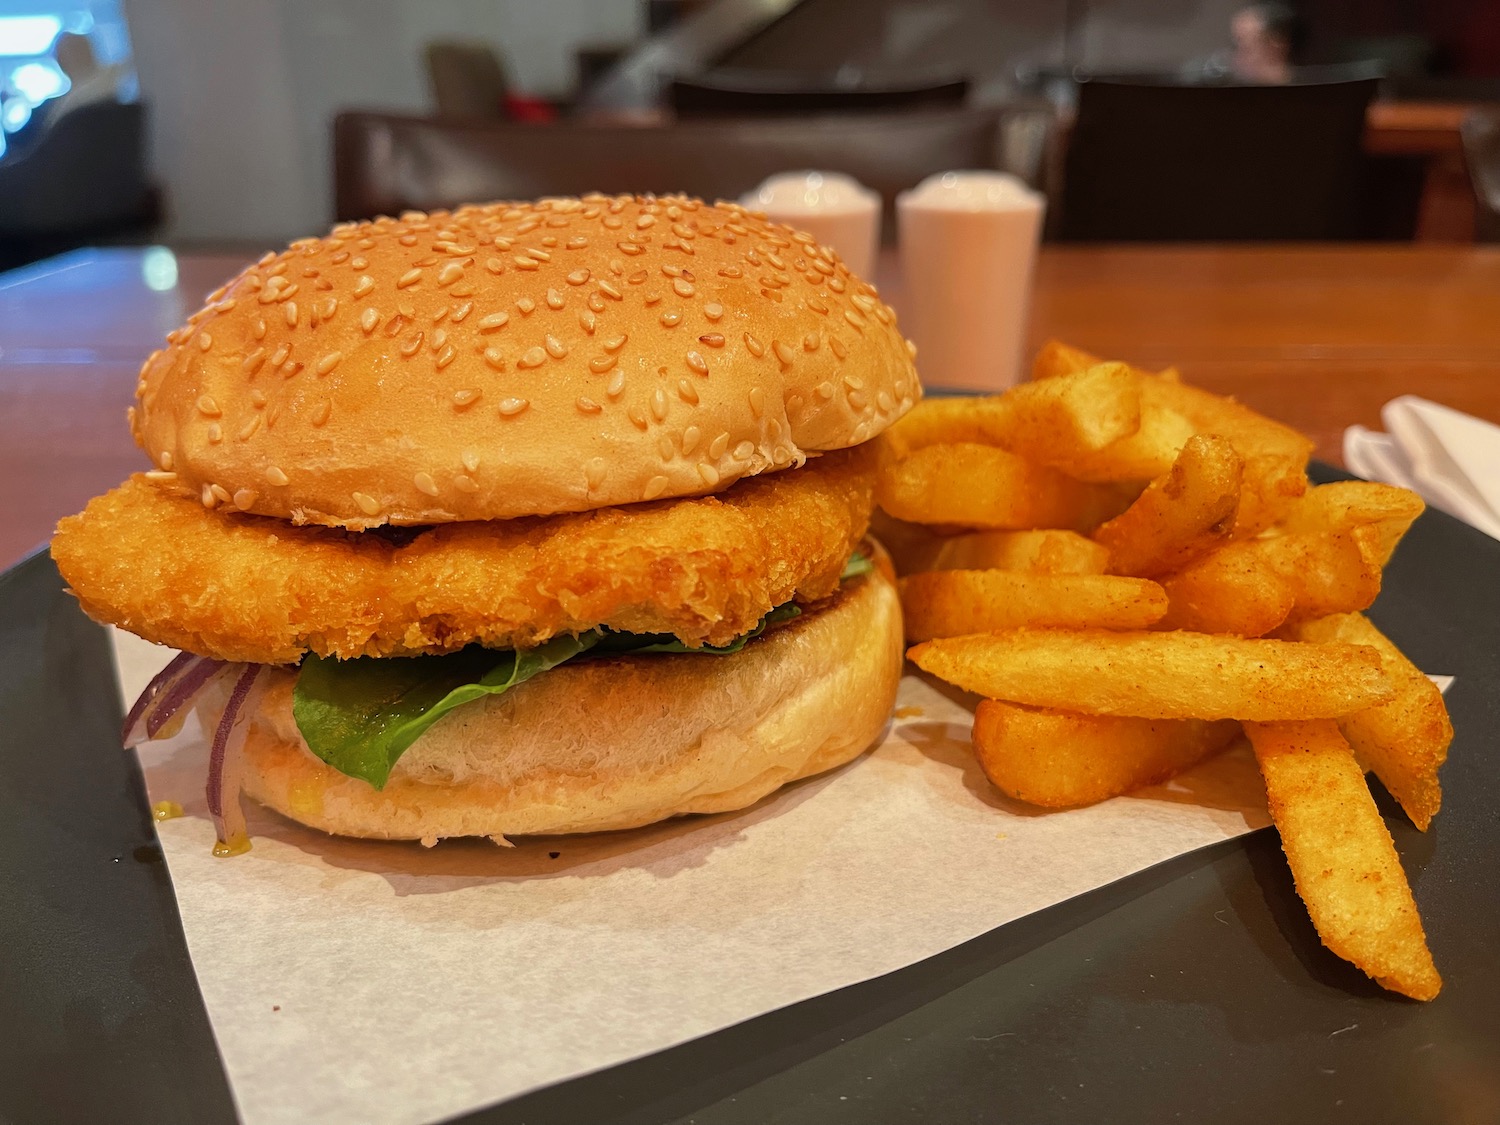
<point x="407" y="240"/>
<point x="855" y="319"/>
<point x="836" y="284"/>
<point x="425" y="483"/>
<point x="731" y="271"/>
<point x="540" y="255"/>
<point x="696" y="361"/>
<point x="613" y="223"/>
<point x="783" y="352"/>
<point x="589" y="406"/>
<point x="616" y="384"/>
<point x="652" y="297"/>
<point x="221" y="494"/>
<point x="755" y="347"/>
<point x="683" y="288"/>
<point x="655" y="487"/>
<point x="862" y="302"/>
<point x="744" y="450"/>
<point x="470" y="460"/>
<point x="450" y="273"/>
<point x="577" y="243"/>
<point x="687" y="392"/>
<point x="409" y="278"/>
<point x="885" y="402"/>
<point x="493" y="323"/>
<point x="494" y="265"/>
<point x="837" y="347"/>
<point x="671" y="319"/>
<point x="257" y="397"/>
<point x="857" y="400"/>
<point x="610" y="291"/>
<point x="329" y="362"/>
<point x="260" y="328"/>
<point x="215" y="433"/>
<point x="252" y="362"/>
<point x="462" y="311"/>
<point x="439" y="339"/>
<point x="205" y="341"/>
<point x="358" y="263"/>
<point x="466" y="397"/>
<point x="594" y="471"/>
<point x="587" y="321"/>
<point x="757" y="401"/>
<point x="446" y="356"/>
<point x="717" y="447"/>
<point x="321" y="411"/>
<point x="578" y="277"/>
<point x="596" y="302"/>
<point x="664" y="447"/>
<point x="615" y="343"/>
<point x="854" y="382"/>
<point x="659" y="404"/>
<point x="637" y="417"/>
<point x="249" y="428"/>
<point x="526" y="305"/>
<point x="207" y="497"/>
<point x="208" y="407"/>
<point x="554" y="299"/>
<point x="713" y="310"/>
<point x="276" y="477"/>
<point x="644" y="221"/>
<point x="509" y="407"/>
<point x="811" y="341"/>
<point x="290" y="311"/>
<point x="369" y="319"/>
<point x="465" y="484"/>
<point x="526" y="263"/>
<point x="495" y="358"/>
<point x="601" y="363"/>
<point x="161" y="475"/>
<point x="534" y="357"/>
<point x="709" y="474"/>
<point x="367" y="504"/>
<point x="555" y="347"/>
<point x="411" y="346"/>
<point x="630" y="248"/>
<point x="824" y="390"/>
<point x="290" y="368"/>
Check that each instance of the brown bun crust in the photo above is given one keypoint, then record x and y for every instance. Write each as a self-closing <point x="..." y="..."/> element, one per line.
<point x="613" y="744"/>
<point x="520" y="359"/>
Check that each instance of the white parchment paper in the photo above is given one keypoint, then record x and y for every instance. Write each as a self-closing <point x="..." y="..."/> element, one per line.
<point x="341" y="976"/>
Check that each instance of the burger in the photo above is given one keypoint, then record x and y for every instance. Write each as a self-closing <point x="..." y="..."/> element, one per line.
<point x="523" y="518"/>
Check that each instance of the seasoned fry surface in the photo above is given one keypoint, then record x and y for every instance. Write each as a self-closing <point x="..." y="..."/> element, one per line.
<point x="247" y="588"/>
<point x="1341" y="855"/>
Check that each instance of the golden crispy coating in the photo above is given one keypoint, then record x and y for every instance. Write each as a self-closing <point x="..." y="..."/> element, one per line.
<point x="240" y="587"/>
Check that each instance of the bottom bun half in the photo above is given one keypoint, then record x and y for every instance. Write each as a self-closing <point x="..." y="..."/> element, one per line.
<point x="614" y="743"/>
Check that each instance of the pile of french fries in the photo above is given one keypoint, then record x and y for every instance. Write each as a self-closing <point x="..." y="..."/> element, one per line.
<point x="1133" y="572"/>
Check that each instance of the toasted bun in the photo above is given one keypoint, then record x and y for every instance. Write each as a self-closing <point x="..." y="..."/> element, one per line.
<point x="520" y="359"/>
<point x="613" y="744"/>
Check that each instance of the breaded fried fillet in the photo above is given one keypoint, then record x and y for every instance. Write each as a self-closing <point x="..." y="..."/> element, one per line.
<point x="250" y="588"/>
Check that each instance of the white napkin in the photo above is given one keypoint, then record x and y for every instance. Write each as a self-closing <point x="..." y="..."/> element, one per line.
<point x="1452" y="459"/>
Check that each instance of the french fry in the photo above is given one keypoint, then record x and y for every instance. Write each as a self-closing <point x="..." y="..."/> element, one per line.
<point x="1329" y="573"/>
<point x="1059" y="759"/>
<point x="1405" y="741"/>
<point x="1275" y="455"/>
<point x="1052" y="422"/>
<point x="1341" y="855"/>
<point x="1234" y="590"/>
<point x="1045" y="551"/>
<point x="1161" y="675"/>
<point x="1144" y="455"/>
<point x="1057" y="358"/>
<point x="1347" y="504"/>
<point x="1181" y="516"/>
<point x="969" y="485"/>
<point x="948" y="603"/>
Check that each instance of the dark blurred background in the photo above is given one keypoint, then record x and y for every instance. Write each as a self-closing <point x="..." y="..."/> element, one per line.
<point x="213" y="122"/>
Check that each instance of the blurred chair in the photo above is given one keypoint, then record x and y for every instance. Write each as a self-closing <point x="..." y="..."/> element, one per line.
<point x="1481" y="136"/>
<point x="1164" y="162"/>
<point x="385" y="164"/>
<point x="468" y="80"/>
<point x="758" y="93"/>
<point x="84" y="180"/>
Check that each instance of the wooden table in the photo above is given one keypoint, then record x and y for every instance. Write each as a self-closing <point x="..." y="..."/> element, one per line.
<point x="1318" y="337"/>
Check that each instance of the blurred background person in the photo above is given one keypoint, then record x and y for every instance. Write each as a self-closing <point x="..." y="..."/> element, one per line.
<point x="1268" y="41"/>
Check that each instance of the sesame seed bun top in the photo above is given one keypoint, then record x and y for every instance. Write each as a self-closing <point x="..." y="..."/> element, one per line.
<point x="520" y="359"/>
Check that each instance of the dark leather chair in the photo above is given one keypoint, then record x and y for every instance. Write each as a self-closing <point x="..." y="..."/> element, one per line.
<point x="1166" y="162"/>
<point x="384" y="164"/>
<point x="82" y="180"/>
<point x="1481" y="139"/>
<point x="756" y="93"/>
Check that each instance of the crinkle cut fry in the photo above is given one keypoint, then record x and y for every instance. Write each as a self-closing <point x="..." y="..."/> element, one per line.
<point x="250" y="588"/>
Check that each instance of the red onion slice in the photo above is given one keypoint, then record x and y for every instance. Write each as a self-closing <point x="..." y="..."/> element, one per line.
<point x="169" y="692"/>
<point x="226" y="760"/>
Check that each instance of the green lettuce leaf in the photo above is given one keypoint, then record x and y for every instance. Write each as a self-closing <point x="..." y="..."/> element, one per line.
<point x="361" y="715"/>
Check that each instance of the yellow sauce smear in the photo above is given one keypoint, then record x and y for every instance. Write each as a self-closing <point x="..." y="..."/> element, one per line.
<point x="166" y="810"/>
<point x="909" y="712"/>
<point x="238" y="845"/>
